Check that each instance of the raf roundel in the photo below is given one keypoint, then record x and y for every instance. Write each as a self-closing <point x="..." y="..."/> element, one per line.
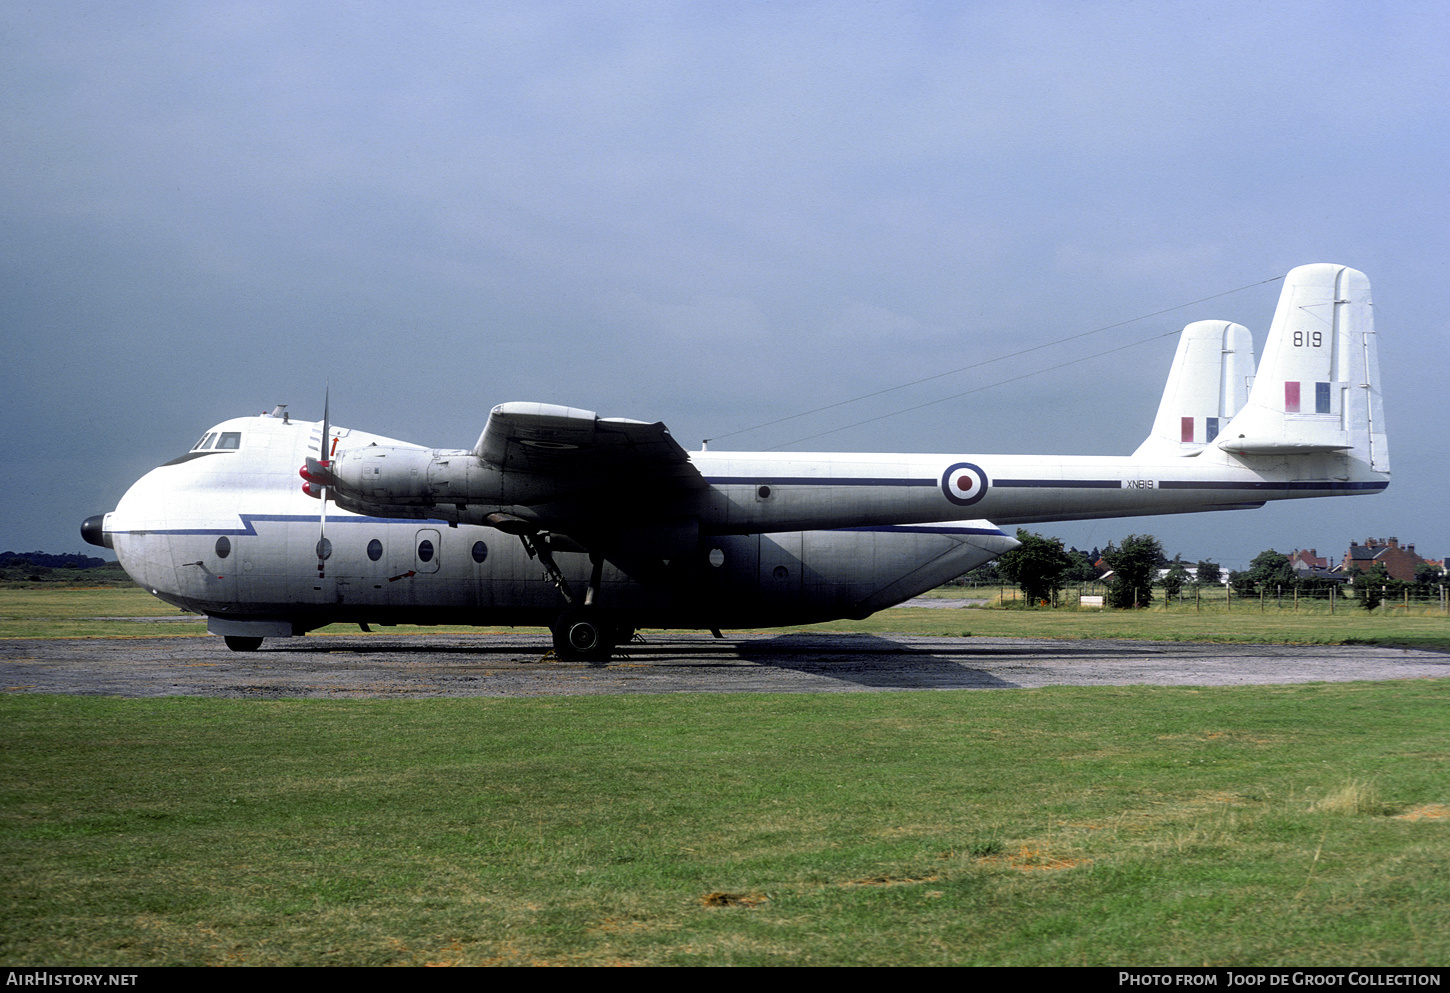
<point x="964" y="484"/>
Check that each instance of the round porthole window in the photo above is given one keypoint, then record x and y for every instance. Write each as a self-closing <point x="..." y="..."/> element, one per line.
<point x="480" y="551"/>
<point x="425" y="551"/>
<point x="375" y="549"/>
<point x="223" y="547"/>
<point x="324" y="548"/>
<point x="717" y="557"/>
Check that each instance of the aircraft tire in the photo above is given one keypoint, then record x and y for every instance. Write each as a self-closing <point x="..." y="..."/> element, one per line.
<point x="237" y="643"/>
<point x="583" y="636"/>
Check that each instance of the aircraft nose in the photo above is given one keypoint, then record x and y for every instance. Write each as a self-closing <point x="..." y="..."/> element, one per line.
<point x="93" y="530"/>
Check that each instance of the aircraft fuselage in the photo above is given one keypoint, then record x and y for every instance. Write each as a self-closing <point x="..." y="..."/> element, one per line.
<point x="228" y="533"/>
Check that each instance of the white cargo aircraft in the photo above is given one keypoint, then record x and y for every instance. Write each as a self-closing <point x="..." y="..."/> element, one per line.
<point x="596" y="526"/>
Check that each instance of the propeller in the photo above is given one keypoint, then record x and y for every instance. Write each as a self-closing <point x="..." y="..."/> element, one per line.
<point x="318" y="476"/>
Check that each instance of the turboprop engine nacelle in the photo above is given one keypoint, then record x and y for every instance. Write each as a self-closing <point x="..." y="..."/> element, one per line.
<point x="417" y="477"/>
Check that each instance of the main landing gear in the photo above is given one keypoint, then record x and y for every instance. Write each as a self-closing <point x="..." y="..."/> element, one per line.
<point x="237" y="643"/>
<point x="583" y="632"/>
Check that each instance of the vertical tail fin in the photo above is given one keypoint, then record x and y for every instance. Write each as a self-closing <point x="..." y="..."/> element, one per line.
<point x="1207" y="386"/>
<point x="1317" y="388"/>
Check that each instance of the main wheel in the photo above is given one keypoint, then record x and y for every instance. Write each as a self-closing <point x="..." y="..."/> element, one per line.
<point x="583" y="635"/>
<point x="237" y="643"/>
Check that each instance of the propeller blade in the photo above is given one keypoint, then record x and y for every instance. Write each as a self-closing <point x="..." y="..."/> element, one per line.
<point x="324" y="463"/>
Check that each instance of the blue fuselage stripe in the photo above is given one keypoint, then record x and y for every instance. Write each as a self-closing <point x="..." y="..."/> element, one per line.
<point x="1323" y="484"/>
<point x="249" y="519"/>
<point x="924" y="529"/>
<point x="817" y="481"/>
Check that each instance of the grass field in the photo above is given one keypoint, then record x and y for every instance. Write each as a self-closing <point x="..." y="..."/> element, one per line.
<point x="1251" y="826"/>
<point x="82" y="613"/>
<point x="1285" y="825"/>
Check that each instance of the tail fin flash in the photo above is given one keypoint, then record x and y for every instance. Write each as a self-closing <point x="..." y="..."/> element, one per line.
<point x="1317" y="388"/>
<point x="1207" y="386"/>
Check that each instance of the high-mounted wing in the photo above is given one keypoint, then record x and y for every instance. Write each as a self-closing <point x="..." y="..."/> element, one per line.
<point x="544" y="439"/>
<point x="536" y="467"/>
<point x="617" y="486"/>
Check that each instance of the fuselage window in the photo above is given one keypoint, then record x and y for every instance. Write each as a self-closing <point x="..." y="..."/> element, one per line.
<point x="480" y="551"/>
<point x="324" y="548"/>
<point x="230" y="439"/>
<point x="223" y="547"/>
<point x="425" y="551"/>
<point x="375" y="549"/>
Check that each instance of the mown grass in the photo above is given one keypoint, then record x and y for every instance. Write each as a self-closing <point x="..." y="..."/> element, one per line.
<point x="91" y="612"/>
<point x="82" y="613"/>
<point x="1125" y="826"/>
<point x="1428" y="631"/>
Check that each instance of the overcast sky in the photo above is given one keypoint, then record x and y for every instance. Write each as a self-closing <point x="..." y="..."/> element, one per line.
<point x="710" y="214"/>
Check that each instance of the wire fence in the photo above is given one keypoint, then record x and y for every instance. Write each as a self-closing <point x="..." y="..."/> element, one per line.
<point x="1416" y="600"/>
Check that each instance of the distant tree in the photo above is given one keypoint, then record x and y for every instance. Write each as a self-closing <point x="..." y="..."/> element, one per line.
<point x="1209" y="573"/>
<point x="1428" y="575"/>
<point x="982" y="575"/>
<point x="48" y="561"/>
<point x="1370" y="585"/>
<point x="1134" y="564"/>
<point x="1176" y="576"/>
<point x="1083" y="568"/>
<point x="1270" y="569"/>
<point x="1036" y="566"/>
<point x="1242" y="583"/>
<point x="1316" y="587"/>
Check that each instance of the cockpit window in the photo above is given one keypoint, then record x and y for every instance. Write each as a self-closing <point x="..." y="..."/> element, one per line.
<point x="218" y="441"/>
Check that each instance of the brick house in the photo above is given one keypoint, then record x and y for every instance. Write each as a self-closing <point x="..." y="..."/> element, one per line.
<point x="1311" y="565"/>
<point x="1400" y="561"/>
